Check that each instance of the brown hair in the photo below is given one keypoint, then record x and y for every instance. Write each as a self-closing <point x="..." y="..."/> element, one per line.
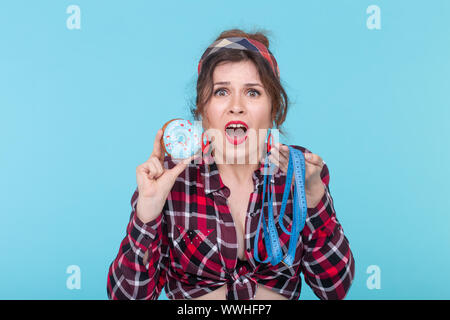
<point x="269" y="79"/>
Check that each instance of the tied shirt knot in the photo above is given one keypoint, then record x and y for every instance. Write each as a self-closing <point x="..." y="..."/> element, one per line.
<point x="240" y="282"/>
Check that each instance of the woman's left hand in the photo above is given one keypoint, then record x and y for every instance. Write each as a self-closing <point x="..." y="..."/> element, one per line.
<point x="314" y="187"/>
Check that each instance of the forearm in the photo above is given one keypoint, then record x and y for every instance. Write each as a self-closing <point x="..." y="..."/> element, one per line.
<point x="140" y="257"/>
<point x="328" y="264"/>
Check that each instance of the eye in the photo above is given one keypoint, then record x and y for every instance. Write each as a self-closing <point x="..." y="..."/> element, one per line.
<point x="255" y="91"/>
<point x="219" y="90"/>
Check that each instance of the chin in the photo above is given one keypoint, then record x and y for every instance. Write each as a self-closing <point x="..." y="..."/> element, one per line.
<point x="241" y="154"/>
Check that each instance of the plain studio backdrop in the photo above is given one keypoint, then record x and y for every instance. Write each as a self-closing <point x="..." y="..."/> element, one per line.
<point x="84" y="86"/>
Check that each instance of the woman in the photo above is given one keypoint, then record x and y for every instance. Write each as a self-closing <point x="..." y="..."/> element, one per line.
<point x="193" y="223"/>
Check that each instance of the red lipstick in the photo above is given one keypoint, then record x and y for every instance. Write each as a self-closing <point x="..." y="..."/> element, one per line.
<point x="236" y="131"/>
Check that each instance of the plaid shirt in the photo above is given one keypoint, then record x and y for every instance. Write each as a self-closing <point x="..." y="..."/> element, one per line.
<point x="193" y="247"/>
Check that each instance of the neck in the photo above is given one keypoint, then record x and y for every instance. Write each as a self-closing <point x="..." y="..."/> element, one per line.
<point x="237" y="173"/>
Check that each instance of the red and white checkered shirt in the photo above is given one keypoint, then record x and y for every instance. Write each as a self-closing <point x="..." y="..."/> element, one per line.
<point x="193" y="246"/>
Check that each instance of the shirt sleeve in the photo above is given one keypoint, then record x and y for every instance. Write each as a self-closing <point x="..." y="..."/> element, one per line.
<point x="128" y="277"/>
<point x="327" y="264"/>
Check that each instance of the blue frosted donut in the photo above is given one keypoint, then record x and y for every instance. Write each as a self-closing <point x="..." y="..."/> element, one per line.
<point x="182" y="139"/>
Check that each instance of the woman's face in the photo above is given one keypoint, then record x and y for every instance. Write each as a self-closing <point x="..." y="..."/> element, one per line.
<point x="239" y="108"/>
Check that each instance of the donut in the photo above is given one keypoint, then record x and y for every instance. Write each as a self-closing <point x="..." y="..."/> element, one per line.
<point x="181" y="139"/>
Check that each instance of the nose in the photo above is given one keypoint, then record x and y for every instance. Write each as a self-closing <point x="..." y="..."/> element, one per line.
<point x="237" y="107"/>
<point x="236" y="111"/>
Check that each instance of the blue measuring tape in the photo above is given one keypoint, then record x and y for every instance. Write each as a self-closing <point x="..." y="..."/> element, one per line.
<point x="296" y="166"/>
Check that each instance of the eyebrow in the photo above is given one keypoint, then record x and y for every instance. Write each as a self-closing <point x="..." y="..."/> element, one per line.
<point x="246" y="84"/>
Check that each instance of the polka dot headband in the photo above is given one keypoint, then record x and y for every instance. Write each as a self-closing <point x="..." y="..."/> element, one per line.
<point x="241" y="43"/>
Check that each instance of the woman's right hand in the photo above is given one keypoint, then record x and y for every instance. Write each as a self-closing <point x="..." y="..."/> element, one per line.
<point x="155" y="182"/>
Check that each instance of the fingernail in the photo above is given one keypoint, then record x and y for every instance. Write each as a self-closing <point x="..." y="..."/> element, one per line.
<point x="307" y="156"/>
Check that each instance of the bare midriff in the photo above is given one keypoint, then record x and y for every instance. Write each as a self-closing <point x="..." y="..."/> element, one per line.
<point x="262" y="293"/>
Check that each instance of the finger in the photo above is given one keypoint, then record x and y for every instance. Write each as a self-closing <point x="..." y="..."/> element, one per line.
<point x="142" y="168"/>
<point x="141" y="174"/>
<point x="158" y="167"/>
<point x="285" y="151"/>
<point x="152" y="168"/>
<point x="274" y="161"/>
<point x="313" y="159"/>
<point x="145" y="170"/>
<point x="195" y="157"/>
<point x="157" y="152"/>
<point x="173" y="173"/>
<point x="283" y="165"/>
<point x="280" y="154"/>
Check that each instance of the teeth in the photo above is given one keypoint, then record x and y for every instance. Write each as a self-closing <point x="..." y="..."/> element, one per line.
<point x="235" y="126"/>
<point x="236" y="130"/>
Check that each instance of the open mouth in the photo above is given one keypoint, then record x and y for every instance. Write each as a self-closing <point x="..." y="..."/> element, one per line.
<point x="236" y="132"/>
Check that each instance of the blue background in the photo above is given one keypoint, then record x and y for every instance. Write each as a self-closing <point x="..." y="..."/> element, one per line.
<point x="80" y="109"/>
